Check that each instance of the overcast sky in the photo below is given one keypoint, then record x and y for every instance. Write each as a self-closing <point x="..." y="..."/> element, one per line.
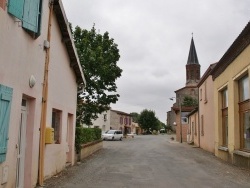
<point x="154" y="37"/>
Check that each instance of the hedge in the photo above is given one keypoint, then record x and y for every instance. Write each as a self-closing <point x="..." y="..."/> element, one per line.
<point x="85" y="135"/>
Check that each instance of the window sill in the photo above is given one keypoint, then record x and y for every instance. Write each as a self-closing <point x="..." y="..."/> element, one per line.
<point x="242" y="153"/>
<point x="223" y="148"/>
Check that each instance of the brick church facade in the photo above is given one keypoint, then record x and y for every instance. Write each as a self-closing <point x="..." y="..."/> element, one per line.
<point x="187" y="97"/>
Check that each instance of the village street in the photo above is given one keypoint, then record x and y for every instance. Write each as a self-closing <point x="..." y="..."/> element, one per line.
<point x="149" y="161"/>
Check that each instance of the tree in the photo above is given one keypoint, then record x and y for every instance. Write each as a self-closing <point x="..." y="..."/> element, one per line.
<point x="189" y="101"/>
<point x="135" y="116"/>
<point x="98" y="55"/>
<point x="148" y="120"/>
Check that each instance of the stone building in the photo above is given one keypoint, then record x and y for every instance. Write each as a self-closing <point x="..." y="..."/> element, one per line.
<point x="188" y="95"/>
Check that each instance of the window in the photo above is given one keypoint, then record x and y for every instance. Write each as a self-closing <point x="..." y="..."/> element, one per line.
<point x="200" y="94"/>
<point x="121" y="120"/>
<point x="192" y="74"/>
<point x="5" y="104"/>
<point x="244" y="104"/>
<point x="244" y="89"/>
<point x="105" y="117"/>
<point x="224" y="110"/>
<point x="184" y="119"/>
<point x="195" y="128"/>
<point x="56" y="124"/>
<point x="202" y="126"/>
<point x="205" y="92"/>
<point x="125" y="120"/>
<point x="29" y="12"/>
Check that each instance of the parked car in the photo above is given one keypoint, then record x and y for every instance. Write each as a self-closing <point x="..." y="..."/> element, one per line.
<point x="112" y="135"/>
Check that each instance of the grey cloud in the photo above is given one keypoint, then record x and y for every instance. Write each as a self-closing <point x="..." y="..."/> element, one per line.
<point x="154" y="39"/>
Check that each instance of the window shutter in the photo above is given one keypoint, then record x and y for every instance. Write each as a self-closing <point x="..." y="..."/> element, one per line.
<point x="5" y="104"/>
<point x="15" y="7"/>
<point x="31" y="15"/>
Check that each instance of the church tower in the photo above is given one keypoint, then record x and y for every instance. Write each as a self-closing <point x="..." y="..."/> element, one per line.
<point x="192" y="67"/>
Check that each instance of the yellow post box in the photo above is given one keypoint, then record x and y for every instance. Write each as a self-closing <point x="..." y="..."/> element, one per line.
<point x="49" y="135"/>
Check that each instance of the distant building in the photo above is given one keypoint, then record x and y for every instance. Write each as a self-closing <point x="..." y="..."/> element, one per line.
<point x="190" y="90"/>
<point x="113" y="119"/>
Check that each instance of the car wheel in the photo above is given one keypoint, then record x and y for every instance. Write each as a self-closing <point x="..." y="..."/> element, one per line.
<point x="113" y="138"/>
<point x="121" y="138"/>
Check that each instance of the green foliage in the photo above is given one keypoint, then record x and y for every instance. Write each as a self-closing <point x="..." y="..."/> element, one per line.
<point x="85" y="135"/>
<point x="148" y="120"/>
<point x="168" y="128"/>
<point x="98" y="56"/>
<point x="189" y="101"/>
<point x="135" y="116"/>
<point x="155" y="132"/>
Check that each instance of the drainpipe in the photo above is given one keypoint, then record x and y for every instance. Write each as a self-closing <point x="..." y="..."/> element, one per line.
<point x="44" y="102"/>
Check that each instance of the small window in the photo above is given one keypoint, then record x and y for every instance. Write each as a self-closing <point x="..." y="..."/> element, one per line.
<point x="121" y="120"/>
<point x="202" y="126"/>
<point x="125" y="120"/>
<point x="56" y="124"/>
<point x="205" y="92"/>
<point x="105" y="117"/>
<point x="244" y="88"/>
<point x="200" y="94"/>
<point x="194" y="125"/>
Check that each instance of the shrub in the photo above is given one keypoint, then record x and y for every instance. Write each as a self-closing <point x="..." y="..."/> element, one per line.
<point x="155" y="132"/>
<point x="85" y="135"/>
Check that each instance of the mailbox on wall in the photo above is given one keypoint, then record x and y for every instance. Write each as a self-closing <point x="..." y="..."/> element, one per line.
<point x="49" y="135"/>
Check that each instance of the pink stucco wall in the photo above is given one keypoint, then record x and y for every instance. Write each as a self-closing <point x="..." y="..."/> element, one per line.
<point x="206" y="109"/>
<point x="22" y="56"/>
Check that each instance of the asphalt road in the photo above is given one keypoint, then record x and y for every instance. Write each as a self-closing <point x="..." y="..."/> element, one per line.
<point x="149" y="161"/>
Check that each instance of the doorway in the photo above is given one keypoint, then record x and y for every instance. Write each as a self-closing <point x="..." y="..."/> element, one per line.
<point x="21" y="146"/>
<point x="69" y="139"/>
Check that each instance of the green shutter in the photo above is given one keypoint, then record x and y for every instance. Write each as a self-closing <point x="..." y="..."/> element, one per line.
<point x="5" y="104"/>
<point x="15" y="7"/>
<point x="31" y="15"/>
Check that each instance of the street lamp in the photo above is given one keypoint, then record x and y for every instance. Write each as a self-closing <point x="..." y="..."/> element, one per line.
<point x="179" y="103"/>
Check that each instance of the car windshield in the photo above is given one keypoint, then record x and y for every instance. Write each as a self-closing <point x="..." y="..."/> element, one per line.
<point x="110" y="132"/>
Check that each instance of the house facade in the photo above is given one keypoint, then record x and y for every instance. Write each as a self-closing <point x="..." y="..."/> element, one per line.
<point x="39" y="77"/>
<point x="232" y="102"/>
<point x="206" y="111"/>
<point x="114" y="119"/>
<point x="102" y="122"/>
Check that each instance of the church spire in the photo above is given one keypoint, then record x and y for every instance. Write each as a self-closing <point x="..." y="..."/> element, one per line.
<point x="192" y="66"/>
<point x="192" y="57"/>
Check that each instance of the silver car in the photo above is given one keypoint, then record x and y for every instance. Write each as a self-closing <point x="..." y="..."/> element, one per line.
<point x="112" y="135"/>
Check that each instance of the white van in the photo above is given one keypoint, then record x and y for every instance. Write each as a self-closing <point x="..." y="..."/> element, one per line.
<point x="112" y="135"/>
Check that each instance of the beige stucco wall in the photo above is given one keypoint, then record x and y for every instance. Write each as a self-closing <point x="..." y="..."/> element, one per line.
<point x="21" y="57"/>
<point x="193" y="129"/>
<point x="99" y="122"/>
<point x="206" y="109"/>
<point x="238" y="67"/>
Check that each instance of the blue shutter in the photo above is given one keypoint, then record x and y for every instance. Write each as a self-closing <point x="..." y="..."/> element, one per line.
<point x="5" y="104"/>
<point x="15" y="7"/>
<point x="31" y="15"/>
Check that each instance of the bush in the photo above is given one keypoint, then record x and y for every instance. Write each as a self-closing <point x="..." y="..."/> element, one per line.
<point x="155" y="132"/>
<point x="85" y="135"/>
